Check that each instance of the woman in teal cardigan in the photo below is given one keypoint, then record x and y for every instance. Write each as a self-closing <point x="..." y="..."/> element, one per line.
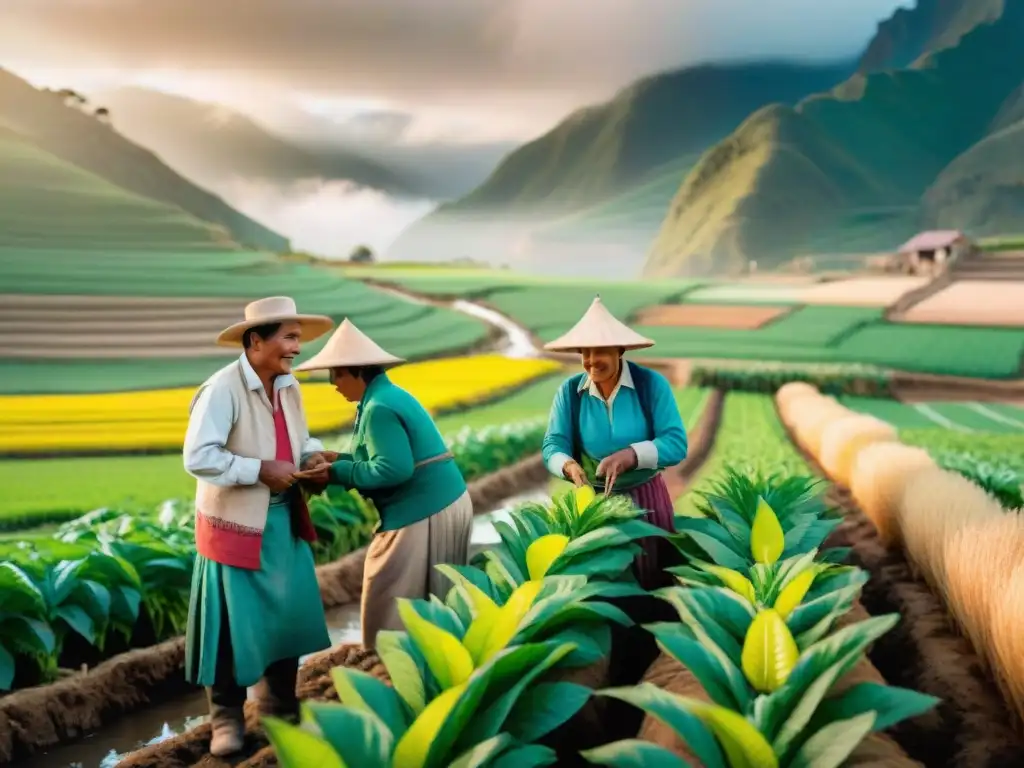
<point x="616" y="426"/>
<point x="398" y="460"/>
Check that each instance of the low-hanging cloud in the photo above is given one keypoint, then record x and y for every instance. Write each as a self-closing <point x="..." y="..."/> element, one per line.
<point x="432" y="51"/>
<point x="327" y="218"/>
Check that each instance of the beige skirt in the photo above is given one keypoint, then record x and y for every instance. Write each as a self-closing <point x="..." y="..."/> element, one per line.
<point x="401" y="563"/>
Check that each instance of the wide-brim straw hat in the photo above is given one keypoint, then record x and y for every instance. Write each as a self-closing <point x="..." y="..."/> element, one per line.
<point x="275" y="309"/>
<point x="599" y="328"/>
<point x="348" y="346"/>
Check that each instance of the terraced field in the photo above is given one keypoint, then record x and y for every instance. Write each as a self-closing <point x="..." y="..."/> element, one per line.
<point x="955" y="416"/>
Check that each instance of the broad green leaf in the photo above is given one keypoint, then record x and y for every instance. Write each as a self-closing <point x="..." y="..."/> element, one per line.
<point x="482" y="753"/>
<point x="593" y="643"/>
<point x="676" y="712"/>
<point x="18" y="592"/>
<point x="769" y="652"/>
<point x="466" y="726"/>
<point x="27" y="635"/>
<point x="406" y="667"/>
<point x="829" y="747"/>
<point x="298" y="748"/>
<point x="716" y="542"/>
<point x="412" y="749"/>
<point x="526" y="756"/>
<point x="607" y="563"/>
<point x="633" y="753"/>
<point x="440" y="615"/>
<point x="362" y="691"/>
<point x="358" y="736"/>
<point x="700" y="661"/>
<point x="766" y="537"/>
<point x="543" y="552"/>
<point x="744" y="745"/>
<point x="78" y="620"/>
<point x="890" y="704"/>
<point x="449" y="661"/>
<point x="734" y="580"/>
<point x="543" y="708"/>
<point x="790" y="709"/>
<point x="6" y="669"/>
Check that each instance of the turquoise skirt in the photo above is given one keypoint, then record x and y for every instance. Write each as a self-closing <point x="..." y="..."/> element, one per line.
<point x="268" y="615"/>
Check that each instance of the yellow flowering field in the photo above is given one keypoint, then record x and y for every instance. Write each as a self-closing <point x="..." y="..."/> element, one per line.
<point x="157" y="419"/>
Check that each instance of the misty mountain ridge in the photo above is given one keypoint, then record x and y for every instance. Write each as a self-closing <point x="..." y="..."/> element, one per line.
<point x="865" y="165"/>
<point x="89" y="142"/>
<point x="562" y="189"/>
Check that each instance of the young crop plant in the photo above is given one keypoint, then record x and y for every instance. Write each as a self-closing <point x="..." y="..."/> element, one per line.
<point x="767" y="661"/>
<point x="470" y="677"/>
<point x="580" y="533"/>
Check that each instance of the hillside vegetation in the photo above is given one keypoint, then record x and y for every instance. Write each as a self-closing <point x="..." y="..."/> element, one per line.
<point x="792" y="177"/>
<point x="81" y="139"/>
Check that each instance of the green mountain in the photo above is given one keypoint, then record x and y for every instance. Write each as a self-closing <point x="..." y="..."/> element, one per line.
<point x="861" y="167"/>
<point x="89" y="142"/>
<point x="930" y="26"/>
<point x="214" y="145"/>
<point x="609" y="170"/>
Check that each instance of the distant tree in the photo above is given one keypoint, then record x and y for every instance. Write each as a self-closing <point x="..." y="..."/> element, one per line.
<point x="71" y="97"/>
<point x="103" y="114"/>
<point x="361" y="254"/>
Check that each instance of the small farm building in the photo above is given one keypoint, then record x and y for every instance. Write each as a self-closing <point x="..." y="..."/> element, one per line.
<point x="928" y="253"/>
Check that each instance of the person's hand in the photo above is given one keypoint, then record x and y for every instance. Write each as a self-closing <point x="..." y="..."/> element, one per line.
<point x="574" y="473"/>
<point x="278" y="476"/>
<point x="318" y="458"/>
<point x="612" y="466"/>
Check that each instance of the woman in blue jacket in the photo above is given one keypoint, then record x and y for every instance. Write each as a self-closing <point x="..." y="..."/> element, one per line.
<point x="616" y="426"/>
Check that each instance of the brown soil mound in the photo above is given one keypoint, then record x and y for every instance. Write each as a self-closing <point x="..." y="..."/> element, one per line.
<point x="736" y="317"/>
<point x="488" y="492"/>
<point x="39" y="717"/>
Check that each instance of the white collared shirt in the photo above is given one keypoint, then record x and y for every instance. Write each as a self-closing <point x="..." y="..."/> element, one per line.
<point x="210" y="424"/>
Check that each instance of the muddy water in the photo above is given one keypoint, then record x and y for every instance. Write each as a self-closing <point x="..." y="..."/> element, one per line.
<point x="106" y="747"/>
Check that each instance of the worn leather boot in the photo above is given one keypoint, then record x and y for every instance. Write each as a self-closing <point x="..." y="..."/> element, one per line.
<point x="227" y="724"/>
<point x="275" y="692"/>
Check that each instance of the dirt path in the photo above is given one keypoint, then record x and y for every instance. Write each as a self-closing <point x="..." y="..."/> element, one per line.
<point x="702" y="441"/>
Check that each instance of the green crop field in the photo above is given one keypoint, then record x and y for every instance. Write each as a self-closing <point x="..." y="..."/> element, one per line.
<point x="998" y="418"/>
<point x="751" y="438"/>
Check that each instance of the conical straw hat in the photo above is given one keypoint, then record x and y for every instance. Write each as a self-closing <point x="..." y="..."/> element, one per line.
<point x="275" y="309"/>
<point x="598" y="328"/>
<point x="349" y="346"/>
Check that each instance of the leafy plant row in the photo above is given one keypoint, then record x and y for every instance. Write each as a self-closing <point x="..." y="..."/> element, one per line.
<point x="109" y="573"/>
<point x="834" y="379"/>
<point x="478" y="680"/>
<point x="111" y="578"/>
<point x="762" y="606"/>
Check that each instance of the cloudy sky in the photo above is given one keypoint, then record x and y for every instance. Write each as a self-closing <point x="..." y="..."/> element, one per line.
<point x="473" y="73"/>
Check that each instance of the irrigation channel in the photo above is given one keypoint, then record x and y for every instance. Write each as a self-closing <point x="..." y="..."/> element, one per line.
<point x="165" y="719"/>
<point x="162" y="720"/>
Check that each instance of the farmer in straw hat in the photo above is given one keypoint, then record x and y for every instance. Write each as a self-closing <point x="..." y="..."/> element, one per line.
<point x="615" y="426"/>
<point x="399" y="460"/>
<point x="255" y="606"/>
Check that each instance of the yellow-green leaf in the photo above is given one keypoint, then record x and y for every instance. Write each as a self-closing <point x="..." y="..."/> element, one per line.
<point x="734" y="580"/>
<point x="506" y="621"/>
<point x="769" y="651"/>
<point x="744" y="745"/>
<point x="543" y="552"/>
<point x="414" y="746"/>
<point x="766" y="537"/>
<point x="297" y="747"/>
<point x="448" y="660"/>
<point x="585" y="496"/>
<point x="794" y="592"/>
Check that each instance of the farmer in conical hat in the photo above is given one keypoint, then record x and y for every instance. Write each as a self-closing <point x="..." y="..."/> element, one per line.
<point x="615" y="426"/>
<point x="255" y="606"/>
<point x="399" y="460"/>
